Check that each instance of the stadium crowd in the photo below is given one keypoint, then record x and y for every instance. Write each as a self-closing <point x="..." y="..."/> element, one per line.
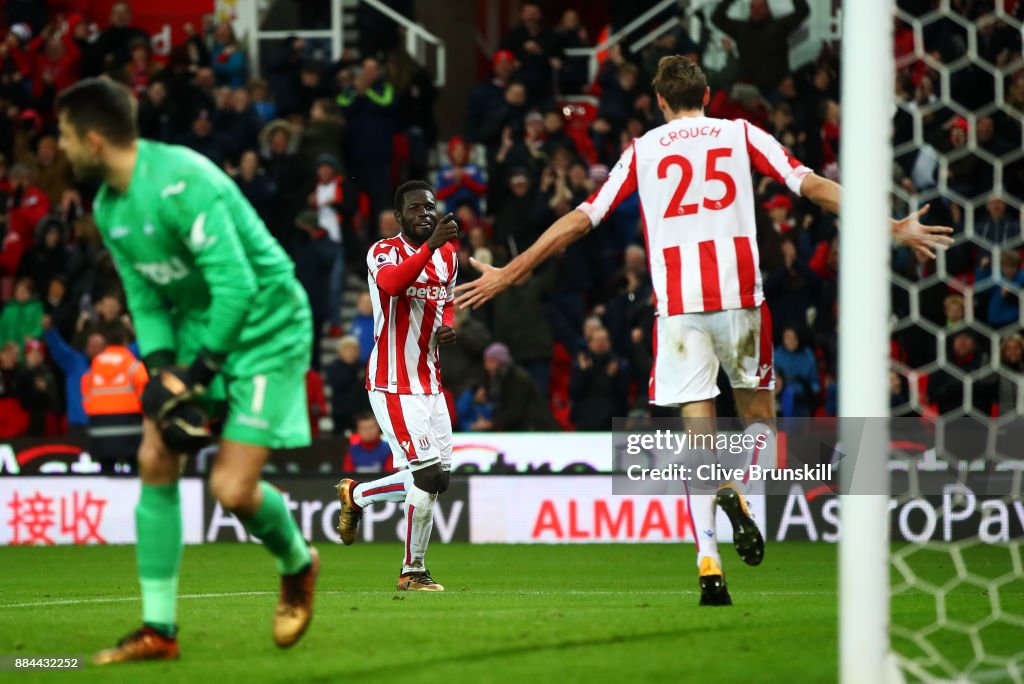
<point x="318" y="147"/>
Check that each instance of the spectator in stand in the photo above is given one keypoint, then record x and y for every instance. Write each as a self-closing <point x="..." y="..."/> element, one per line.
<point x="519" y="218"/>
<point x="156" y="113"/>
<point x="1011" y="363"/>
<point x="283" y="75"/>
<point x="112" y="399"/>
<point x="347" y="378"/>
<point x="488" y="96"/>
<point x="953" y="307"/>
<point x="362" y="327"/>
<point x="262" y="103"/>
<point x="53" y="174"/>
<point x="107" y="318"/>
<point x="55" y="63"/>
<point x="278" y="141"/>
<point x="520" y="321"/>
<point x="21" y="318"/>
<point x="598" y="385"/>
<point x="335" y="202"/>
<point x="475" y="410"/>
<point x="555" y="136"/>
<point x="256" y="186"/>
<point x="537" y="51"/>
<point x="995" y="226"/>
<point x="324" y="133"/>
<point x="571" y="34"/>
<point x="316" y="401"/>
<point x="315" y="255"/>
<point x="1004" y="292"/>
<point x="59" y="306"/>
<point x="762" y="39"/>
<point x="460" y="180"/>
<point x="237" y="121"/>
<point x="387" y="224"/>
<point x="38" y="391"/>
<point x="26" y="204"/>
<point x="800" y="368"/>
<point x="205" y="140"/>
<point x="946" y="389"/>
<point x="791" y="289"/>
<point x="112" y="49"/>
<point x="619" y="81"/>
<point x="627" y="309"/>
<point x="141" y="69"/>
<point x="518" y="407"/>
<point x="369" y="108"/>
<point x="415" y="97"/>
<point x="462" y="364"/>
<point x="739" y="101"/>
<point x="228" y="57"/>
<point x="50" y="256"/>
<point x="13" y="419"/>
<point x="73" y="364"/>
<point x="367" y="451"/>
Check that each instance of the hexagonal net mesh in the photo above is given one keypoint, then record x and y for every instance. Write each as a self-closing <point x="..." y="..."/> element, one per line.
<point x="957" y="602"/>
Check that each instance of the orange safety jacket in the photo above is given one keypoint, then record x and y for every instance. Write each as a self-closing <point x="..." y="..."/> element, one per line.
<point x="114" y="383"/>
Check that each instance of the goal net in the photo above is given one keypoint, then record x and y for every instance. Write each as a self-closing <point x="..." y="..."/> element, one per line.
<point x="957" y="576"/>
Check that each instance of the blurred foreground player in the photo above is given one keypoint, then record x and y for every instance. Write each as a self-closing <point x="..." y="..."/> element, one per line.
<point x="412" y="281"/>
<point x="694" y="178"/>
<point x="223" y="326"/>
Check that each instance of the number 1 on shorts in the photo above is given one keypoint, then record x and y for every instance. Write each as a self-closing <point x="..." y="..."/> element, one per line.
<point x="259" y="392"/>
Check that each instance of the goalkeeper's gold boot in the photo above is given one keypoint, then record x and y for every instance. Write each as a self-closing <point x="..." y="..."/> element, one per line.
<point x="295" y="604"/>
<point x="745" y="536"/>
<point x="418" y="581"/>
<point x="351" y="514"/>
<point x="713" y="591"/>
<point x="144" y="643"/>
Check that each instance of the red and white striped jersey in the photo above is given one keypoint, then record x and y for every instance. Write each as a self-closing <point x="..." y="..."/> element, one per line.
<point x="697" y="205"/>
<point x="404" y="359"/>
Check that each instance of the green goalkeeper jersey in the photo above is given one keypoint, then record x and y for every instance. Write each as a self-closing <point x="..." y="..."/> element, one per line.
<point x="199" y="267"/>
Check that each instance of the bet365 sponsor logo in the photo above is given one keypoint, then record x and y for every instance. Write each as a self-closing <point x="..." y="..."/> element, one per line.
<point x="429" y="292"/>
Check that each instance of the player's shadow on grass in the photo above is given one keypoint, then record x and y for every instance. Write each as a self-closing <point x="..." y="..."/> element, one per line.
<point x="483" y="656"/>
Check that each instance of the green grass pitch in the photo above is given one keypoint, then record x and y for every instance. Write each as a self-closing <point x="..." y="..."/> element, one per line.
<point x="602" y="613"/>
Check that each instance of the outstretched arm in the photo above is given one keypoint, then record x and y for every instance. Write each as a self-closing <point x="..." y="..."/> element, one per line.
<point x="621" y="184"/>
<point x="907" y="231"/>
<point x="560" y="235"/>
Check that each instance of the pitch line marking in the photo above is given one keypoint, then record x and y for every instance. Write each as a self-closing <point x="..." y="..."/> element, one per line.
<point x="240" y="594"/>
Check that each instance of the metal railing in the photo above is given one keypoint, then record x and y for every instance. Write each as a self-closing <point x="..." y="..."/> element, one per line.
<point x="418" y="40"/>
<point x="591" y="53"/>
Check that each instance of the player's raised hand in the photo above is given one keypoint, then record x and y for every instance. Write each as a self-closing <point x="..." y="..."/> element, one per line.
<point x="445" y="230"/>
<point x="475" y="294"/>
<point x="445" y="335"/>
<point x="920" y="238"/>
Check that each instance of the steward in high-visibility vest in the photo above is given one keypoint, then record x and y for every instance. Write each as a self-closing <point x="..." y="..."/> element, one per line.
<point x="111" y="396"/>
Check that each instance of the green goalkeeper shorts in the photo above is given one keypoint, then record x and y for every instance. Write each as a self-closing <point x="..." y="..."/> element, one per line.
<point x="269" y="409"/>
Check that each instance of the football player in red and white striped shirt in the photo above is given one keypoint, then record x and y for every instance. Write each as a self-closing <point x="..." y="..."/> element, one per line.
<point x="412" y="280"/>
<point x="697" y="204"/>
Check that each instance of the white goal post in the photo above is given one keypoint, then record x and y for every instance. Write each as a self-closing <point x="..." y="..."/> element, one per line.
<point x="868" y="70"/>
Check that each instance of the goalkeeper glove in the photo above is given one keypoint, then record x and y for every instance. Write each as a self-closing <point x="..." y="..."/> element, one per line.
<point x="169" y="400"/>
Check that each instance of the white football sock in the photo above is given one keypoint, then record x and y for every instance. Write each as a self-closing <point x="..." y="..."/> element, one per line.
<point x="702" y="510"/>
<point x="390" y="488"/>
<point x="763" y="454"/>
<point x="419" y="521"/>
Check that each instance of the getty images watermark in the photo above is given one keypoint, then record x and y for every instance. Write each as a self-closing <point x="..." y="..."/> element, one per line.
<point x="691" y="451"/>
<point x="894" y="456"/>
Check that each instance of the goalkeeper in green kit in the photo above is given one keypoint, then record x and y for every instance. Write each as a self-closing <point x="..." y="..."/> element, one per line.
<point x="224" y="329"/>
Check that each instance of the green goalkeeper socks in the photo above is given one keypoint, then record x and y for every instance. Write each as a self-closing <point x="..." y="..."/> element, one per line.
<point x="274" y="525"/>
<point x="158" y="554"/>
